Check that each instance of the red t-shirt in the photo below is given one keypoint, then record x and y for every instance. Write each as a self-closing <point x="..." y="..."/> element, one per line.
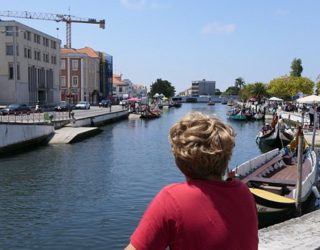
<point x="198" y="215"/>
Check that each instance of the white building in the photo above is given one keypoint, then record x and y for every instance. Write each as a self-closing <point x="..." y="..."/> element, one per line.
<point x="203" y="87"/>
<point x="122" y="89"/>
<point x="29" y="65"/>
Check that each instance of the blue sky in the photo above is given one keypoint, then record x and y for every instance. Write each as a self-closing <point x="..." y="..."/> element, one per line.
<point x="185" y="40"/>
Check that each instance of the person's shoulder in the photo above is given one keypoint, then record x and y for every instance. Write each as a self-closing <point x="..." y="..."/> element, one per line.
<point x="174" y="188"/>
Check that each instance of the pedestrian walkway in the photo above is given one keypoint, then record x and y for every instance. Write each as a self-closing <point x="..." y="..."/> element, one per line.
<point x="298" y="233"/>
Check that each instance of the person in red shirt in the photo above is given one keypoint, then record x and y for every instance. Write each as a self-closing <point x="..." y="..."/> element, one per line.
<point x="206" y="211"/>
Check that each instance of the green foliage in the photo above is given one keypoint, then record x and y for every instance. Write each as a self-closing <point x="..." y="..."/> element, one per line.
<point x="162" y="87"/>
<point x="245" y="92"/>
<point x="318" y="87"/>
<point x="296" y="67"/>
<point x="239" y="82"/>
<point x="287" y="86"/>
<point x="257" y="90"/>
<point x="217" y="92"/>
<point x="232" y="91"/>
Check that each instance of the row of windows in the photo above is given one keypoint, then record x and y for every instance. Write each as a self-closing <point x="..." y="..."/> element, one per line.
<point x="74" y="80"/>
<point x="12" y="30"/>
<point x="28" y="54"/>
<point x="74" y="64"/>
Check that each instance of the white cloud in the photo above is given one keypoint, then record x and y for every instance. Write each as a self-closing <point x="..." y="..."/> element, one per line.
<point x="217" y="28"/>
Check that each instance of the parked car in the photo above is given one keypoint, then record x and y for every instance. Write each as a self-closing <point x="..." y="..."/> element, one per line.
<point x="15" y="109"/>
<point x="123" y="102"/>
<point x="63" y="106"/>
<point x="83" y="105"/>
<point x="105" y="103"/>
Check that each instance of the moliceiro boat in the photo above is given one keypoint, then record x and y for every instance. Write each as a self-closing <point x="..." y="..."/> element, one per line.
<point x="273" y="178"/>
<point x="277" y="137"/>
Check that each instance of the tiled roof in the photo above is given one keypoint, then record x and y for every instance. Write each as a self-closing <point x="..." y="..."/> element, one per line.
<point x="116" y="79"/>
<point x="88" y="51"/>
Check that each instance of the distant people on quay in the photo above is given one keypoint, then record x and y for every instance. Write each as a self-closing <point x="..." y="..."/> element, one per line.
<point x="311" y="115"/>
<point x="206" y="211"/>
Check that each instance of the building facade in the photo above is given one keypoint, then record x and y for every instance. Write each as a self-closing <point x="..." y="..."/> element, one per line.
<point x="79" y="75"/>
<point x="203" y="87"/>
<point x="105" y="74"/>
<point x="29" y="65"/>
<point x="122" y="89"/>
<point x="139" y="90"/>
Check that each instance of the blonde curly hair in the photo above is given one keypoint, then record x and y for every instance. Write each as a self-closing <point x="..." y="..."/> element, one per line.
<point x="202" y="145"/>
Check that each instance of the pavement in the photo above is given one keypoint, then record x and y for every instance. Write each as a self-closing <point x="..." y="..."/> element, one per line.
<point x="71" y="134"/>
<point x="295" y="234"/>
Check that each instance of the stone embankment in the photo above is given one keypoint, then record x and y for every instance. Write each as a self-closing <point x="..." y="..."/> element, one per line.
<point x="22" y="131"/>
<point x="298" y="233"/>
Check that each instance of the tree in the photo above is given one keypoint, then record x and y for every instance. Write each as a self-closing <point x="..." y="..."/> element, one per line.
<point x="257" y="90"/>
<point x="245" y="92"/>
<point x="287" y="86"/>
<point x="296" y="67"/>
<point x="317" y="88"/>
<point x="217" y="92"/>
<point x="239" y="82"/>
<point x="162" y="87"/>
<point x="232" y="91"/>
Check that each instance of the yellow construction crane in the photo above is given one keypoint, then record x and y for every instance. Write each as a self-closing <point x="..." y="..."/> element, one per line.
<point x="68" y="19"/>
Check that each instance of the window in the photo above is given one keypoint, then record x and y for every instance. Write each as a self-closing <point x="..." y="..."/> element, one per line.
<point x="63" y="64"/>
<point x="25" y="52"/>
<point x="75" y="81"/>
<point x="53" y="44"/>
<point x="29" y="53"/>
<point x="36" y="38"/>
<point x="120" y="89"/>
<point x="45" y="57"/>
<point x="28" y="35"/>
<point x="74" y="64"/>
<point x="63" y="81"/>
<point x="45" y="42"/>
<point x="9" y="30"/>
<point x="9" y="49"/>
<point x="18" y="71"/>
<point x="37" y="55"/>
<point x="11" y="74"/>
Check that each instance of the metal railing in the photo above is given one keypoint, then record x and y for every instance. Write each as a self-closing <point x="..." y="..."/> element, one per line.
<point x="35" y="117"/>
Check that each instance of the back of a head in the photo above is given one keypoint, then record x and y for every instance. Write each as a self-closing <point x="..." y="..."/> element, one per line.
<point x="202" y="145"/>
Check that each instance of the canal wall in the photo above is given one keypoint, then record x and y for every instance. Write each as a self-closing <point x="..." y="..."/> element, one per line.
<point x="99" y="120"/>
<point x="298" y="233"/>
<point x="15" y="136"/>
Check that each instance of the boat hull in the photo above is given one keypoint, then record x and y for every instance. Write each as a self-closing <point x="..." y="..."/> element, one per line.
<point x="272" y="180"/>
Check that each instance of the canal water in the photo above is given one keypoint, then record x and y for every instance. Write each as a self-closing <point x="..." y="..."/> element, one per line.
<point x="91" y="195"/>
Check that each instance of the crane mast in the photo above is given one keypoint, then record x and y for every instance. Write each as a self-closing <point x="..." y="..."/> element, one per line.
<point x="68" y="19"/>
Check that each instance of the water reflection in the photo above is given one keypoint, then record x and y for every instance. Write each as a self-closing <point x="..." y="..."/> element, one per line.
<point x="91" y="194"/>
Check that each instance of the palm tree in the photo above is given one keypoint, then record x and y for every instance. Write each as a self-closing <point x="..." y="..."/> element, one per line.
<point x="239" y="83"/>
<point x="259" y="90"/>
